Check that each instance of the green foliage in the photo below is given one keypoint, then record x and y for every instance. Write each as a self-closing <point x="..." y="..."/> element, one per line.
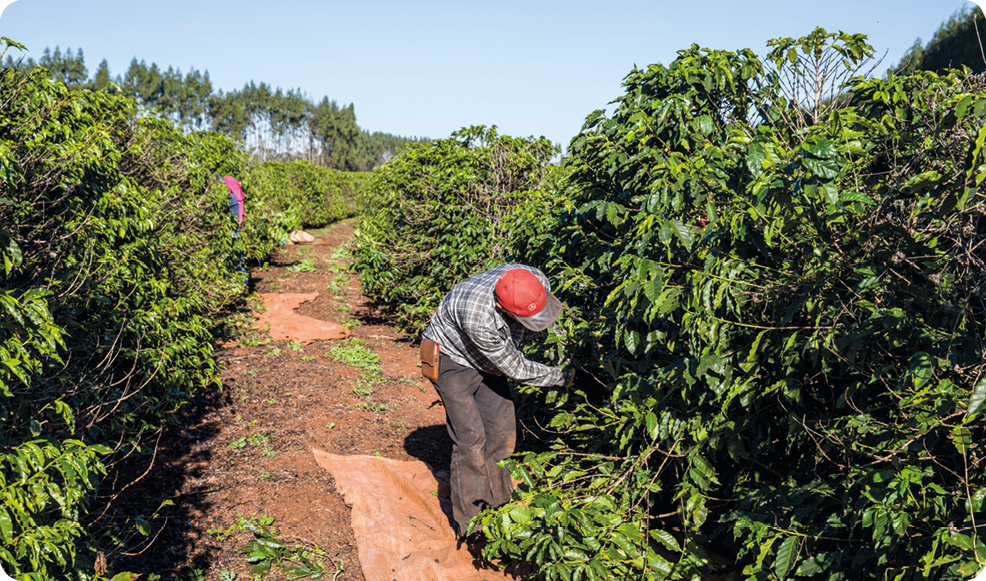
<point x="377" y="408"/>
<point x="304" y="265"/>
<point x="266" y="552"/>
<point x="439" y="213"/>
<point x="355" y="353"/>
<point x="258" y="440"/>
<point x="778" y="301"/>
<point x="954" y="45"/>
<point x="117" y="257"/>
<point x="286" y="196"/>
<point x="45" y="490"/>
<point x="118" y="266"/>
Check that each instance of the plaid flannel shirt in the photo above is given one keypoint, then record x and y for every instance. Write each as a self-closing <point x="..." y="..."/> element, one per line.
<point x="472" y="331"/>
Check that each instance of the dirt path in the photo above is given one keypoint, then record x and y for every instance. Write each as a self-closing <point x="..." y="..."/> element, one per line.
<point x="247" y="451"/>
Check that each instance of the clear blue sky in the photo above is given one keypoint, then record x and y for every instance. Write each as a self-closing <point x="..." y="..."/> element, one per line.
<point x="428" y="68"/>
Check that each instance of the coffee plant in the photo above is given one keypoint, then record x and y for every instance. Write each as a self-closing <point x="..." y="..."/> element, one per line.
<point x="291" y="195"/>
<point x="439" y="213"/>
<point x="774" y="270"/>
<point x="118" y="266"/>
<point x="112" y="270"/>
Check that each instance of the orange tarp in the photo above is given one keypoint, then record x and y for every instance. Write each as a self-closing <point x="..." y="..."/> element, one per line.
<point x="400" y="520"/>
<point x="280" y="320"/>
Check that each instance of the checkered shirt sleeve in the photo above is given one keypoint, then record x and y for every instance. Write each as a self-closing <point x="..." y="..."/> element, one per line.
<point x="471" y="331"/>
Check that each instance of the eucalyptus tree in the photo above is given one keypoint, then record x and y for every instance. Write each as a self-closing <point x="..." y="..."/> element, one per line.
<point x="142" y="83"/>
<point x="956" y="43"/>
<point x="101" y="80"/>
<point x="228" y="114"/>
<point x="169" y="94"/>
<point x="271" y="122"/>
<point x="66" y="68"/>
<point x="194" y="99"/>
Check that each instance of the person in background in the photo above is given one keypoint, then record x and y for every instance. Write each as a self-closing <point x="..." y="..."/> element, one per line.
<point x="237" y="211"/>
<point x="469" y="349"/>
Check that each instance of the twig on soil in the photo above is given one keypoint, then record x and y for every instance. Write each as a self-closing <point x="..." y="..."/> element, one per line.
<point x="244" y="357"/>
<point x="322" y="552"/>
<point x="190" y="492"/>
<point x="411" y="517"/>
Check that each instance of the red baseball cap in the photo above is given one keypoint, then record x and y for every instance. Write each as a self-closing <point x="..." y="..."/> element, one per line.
<point x="521" y="294"/>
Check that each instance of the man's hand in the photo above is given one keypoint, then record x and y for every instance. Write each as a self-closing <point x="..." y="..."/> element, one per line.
<point x="569" y="372"/>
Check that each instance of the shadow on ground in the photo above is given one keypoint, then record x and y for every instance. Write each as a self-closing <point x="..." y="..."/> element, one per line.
<point x="431" y="445"/>
<point x="161" y="492"/>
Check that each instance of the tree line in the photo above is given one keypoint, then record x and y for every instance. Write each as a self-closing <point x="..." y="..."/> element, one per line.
<point x="956" y="43"/>
<point x="273" y="123"/>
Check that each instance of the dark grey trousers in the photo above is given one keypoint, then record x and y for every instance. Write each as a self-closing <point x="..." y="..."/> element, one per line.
<point x="480" y="418"/>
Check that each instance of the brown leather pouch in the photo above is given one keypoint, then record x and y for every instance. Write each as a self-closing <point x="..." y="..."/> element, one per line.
<point x="429" y="359"/>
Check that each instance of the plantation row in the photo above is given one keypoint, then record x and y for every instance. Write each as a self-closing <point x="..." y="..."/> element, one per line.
<point x="119" y="271"/>
<point x="774" y="273"/>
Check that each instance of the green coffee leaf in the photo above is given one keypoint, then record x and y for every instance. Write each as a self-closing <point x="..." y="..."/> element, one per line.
<point x="754" y="159"/>
<point x="823" y="148"/>
<point x="786" y="556"/>
<point x="652" y="427"/>
<point x="665" y="538"/>
<point x="823" y="168"/>
<point x="977" y="399"/>
<point x="962" y="108"/>
<point x="977" y="500"/>
<point x="6" y="526"/>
